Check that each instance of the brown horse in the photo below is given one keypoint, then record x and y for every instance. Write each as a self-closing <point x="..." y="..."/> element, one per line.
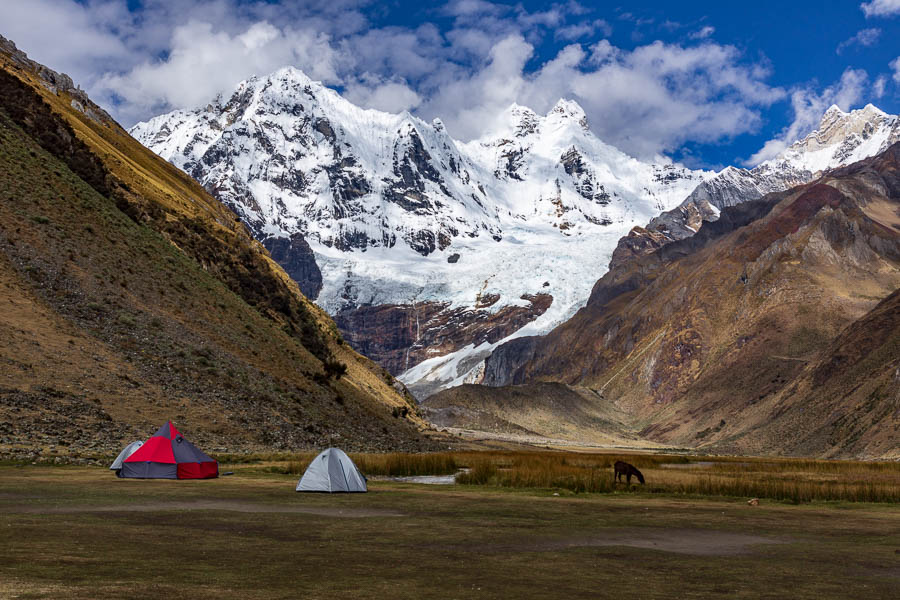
<point x="623" y="468"/>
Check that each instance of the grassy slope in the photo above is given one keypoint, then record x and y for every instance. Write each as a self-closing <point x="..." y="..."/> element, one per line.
<point x="852" y="388"/>
<point x="147" y="539"/>
<point x="139" y="297"/>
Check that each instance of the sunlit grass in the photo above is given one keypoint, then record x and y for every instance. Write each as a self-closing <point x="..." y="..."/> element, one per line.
<point x="787" y="480"/>
<point x="782" y="479"/>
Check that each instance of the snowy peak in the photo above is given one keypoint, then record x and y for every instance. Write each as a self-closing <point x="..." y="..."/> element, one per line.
<point x="843" y="138"/>
<point x="834" y="111"/>
<point x="516" y="122"/>
<point x="520" y="121"/>
<point x="505" y="232"/>
<point x="568" y="110"/>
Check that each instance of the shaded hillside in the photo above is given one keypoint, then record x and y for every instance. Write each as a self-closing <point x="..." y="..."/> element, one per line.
<point x="130" y="295"/>
<point x="729" y="338"/>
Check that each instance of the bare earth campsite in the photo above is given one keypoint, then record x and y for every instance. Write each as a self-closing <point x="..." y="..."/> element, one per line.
<point x="465" y="299"/>
<point x="79" y="532"/>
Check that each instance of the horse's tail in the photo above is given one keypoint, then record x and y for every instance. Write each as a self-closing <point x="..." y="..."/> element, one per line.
<point x="640" y="475"/>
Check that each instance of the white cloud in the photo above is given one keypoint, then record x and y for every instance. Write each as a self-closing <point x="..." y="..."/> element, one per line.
<point x="864" y="37"/>
<point x="895" y="67"/>
<point x="40" y="26"/>
<point x="878" y="86"/>
<point x="203" y="62"/>
<point x="583" y="29"/>
<point x="646" y="100"/>
<point x="809" y="106"/>
<point x="703" y="33"/>
<point x="390" y="96"/>
<point x="470" y="101"/>
<point x="881" y="8"/>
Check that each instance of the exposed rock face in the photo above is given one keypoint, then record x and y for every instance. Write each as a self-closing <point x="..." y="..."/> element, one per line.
<point x="767" y="312"/>
<point x="399" y="215"/>
<point x="638" y="242"/>
<point x="503" y="366"/>
<point x="399" y="337"/>
<point x="841" y="138"/>
<point x="298" y="260"/>
<point x="58" y="83"/>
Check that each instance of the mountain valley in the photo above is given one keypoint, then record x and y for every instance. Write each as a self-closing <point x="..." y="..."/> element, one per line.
<point x="535" y="282"/>
<point x="431" y="253"/>
<point x="454" y="246"/>
<point x="771" y="330"/>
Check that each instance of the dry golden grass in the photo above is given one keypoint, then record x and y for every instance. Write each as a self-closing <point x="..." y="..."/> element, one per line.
<point x="787" y="480"/>
<point x="153" y="268"/>
<point x="783" y="479"/>
<point x="404" y="465"/>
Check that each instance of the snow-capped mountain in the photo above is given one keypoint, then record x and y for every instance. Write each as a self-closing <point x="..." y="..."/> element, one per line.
<point x="841" y="138"/>
<point x="428" y="251"/>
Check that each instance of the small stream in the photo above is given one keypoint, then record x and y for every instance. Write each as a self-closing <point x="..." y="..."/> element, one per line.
<point x="426" y="479"/>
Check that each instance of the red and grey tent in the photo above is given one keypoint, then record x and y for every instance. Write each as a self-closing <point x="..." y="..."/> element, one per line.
<point x="167" y="455"/>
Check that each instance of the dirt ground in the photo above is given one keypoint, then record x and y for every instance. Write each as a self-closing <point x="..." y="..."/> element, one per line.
<point x="79" y="532"/>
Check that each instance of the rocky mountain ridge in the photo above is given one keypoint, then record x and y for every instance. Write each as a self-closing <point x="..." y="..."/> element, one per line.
<point x="429" y="252"/>
<point x="840" y="139"/>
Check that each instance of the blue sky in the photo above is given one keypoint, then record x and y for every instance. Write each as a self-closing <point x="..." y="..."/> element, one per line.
<point x="707" y="83"/>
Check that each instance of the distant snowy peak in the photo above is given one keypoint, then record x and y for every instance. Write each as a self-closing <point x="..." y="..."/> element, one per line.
<point x="291" y="155"/>
<point x="842" y="138"/>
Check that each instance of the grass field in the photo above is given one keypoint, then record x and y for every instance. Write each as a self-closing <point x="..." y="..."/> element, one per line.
<point x="78" y="532"/>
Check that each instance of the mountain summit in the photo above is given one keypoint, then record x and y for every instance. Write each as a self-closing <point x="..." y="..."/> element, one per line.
<point x="426" y="250"/>
<point x="773" y="330"/>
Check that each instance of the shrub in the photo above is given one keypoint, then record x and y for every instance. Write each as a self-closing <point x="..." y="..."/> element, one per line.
<point x="334" y="369"/>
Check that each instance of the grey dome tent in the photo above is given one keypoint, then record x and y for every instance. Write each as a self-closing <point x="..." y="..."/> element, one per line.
<point x="125" y="453"/>
<point x="332" y="471"/>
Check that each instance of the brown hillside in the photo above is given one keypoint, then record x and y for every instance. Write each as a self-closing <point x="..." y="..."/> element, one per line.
<point x="753" y="335"/>
<point x="129" y="295"/>
<point x="547" y="410"/>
